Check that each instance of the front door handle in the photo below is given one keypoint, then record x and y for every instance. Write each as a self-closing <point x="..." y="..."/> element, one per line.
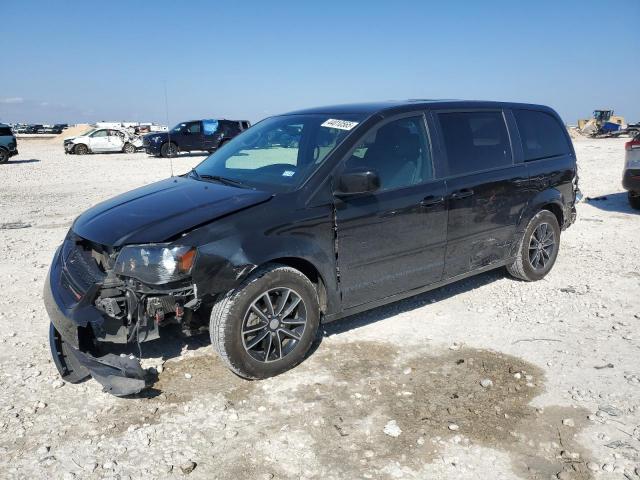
<point x="464" y="193"/>
<point x="432" y="200"/>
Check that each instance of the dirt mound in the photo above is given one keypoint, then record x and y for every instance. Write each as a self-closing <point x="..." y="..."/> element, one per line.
<point x="72" y="131"/>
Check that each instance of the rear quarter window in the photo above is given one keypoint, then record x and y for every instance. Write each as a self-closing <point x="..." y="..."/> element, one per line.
<point x="5" y="132"/>
<point x="475" y="141"/>
<point x="542" y="135"/>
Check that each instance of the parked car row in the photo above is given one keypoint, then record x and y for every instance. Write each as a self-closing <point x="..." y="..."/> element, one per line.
<point x="37" y="128"/>
<point x="195" y="135"/>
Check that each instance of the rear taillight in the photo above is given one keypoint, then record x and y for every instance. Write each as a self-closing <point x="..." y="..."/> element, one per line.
<point x="632" y="145"/>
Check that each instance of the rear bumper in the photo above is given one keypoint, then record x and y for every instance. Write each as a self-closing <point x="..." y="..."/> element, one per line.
<point x="631" y="180"/>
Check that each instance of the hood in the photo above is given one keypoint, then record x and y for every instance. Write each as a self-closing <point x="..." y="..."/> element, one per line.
<point x="162" y="210"/>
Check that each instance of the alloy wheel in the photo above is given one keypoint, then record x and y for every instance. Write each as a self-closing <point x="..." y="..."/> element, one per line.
<point x="274" y="324"/>
<point x="541" y="246"/>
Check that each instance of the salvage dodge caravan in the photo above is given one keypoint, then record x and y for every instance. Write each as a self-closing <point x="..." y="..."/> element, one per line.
<point x="306" y="218"/>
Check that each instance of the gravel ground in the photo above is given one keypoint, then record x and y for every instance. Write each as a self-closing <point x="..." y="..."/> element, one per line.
<point x="489" y="378"/>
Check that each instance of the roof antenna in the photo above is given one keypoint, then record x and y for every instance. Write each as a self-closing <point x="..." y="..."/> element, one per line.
<point x="166" y="108"/>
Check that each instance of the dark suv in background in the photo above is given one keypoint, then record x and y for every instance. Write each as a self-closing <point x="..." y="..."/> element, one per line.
<point x="309" y="217"/>
<point x="195" y="135"/>
<point x="8" y="144"/>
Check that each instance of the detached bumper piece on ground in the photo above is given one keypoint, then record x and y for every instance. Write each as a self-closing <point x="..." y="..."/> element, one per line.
<point x="120" y="375"/>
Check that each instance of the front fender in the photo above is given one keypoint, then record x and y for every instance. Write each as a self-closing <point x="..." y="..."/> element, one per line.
<point x="238" y="245"/>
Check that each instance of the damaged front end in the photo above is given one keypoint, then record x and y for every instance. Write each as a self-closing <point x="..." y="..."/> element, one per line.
<point x="104" y="301"/>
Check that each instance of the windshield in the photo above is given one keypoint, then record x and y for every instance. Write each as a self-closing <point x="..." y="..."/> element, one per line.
<point x="178" y="128"/>
<point x="279" y="153"/>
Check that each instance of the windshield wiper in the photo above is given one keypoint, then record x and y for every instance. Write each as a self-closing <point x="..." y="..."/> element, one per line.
<point x="224" y="180"/>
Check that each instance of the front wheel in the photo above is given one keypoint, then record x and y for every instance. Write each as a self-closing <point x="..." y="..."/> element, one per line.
<point x="267" y="325"/>
<point x="538" y="248"/>
<point x="634" y="199"/>
<point x="4" y="156"/>
<point x="80" y="149"/>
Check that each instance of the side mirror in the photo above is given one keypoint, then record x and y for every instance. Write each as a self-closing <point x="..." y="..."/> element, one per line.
<point x="353" y="182"/>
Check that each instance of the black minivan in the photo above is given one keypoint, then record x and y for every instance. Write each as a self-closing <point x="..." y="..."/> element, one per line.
<point x="309" y="217"/>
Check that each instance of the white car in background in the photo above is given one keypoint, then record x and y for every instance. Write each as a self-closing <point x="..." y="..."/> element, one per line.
<point x="103" y="140"/>
<point x="631" y="175"/>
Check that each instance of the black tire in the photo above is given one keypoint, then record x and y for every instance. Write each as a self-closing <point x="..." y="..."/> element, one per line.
<point x="231" y="313"/>
<point x="169" y="149"/>
<point x="68" y="366"/>
<point x="81" y="149"/>
<point x="4" y="156"/>
<point x="532" y="261"/>
<point x="634" y="200"/>
<point x="129" y="148"/>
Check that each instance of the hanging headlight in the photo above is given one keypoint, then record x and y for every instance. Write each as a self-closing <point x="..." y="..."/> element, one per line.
<point x="155" y="264"/>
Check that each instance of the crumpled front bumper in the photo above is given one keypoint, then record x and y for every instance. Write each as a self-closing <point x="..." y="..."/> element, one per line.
<point x="69" y="312"/>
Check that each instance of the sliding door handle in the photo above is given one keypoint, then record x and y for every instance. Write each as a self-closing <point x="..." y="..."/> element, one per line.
<point x="431" y="201"/>
<point x="464" y="193"/>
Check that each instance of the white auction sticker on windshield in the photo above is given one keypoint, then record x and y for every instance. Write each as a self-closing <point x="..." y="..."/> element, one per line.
<point x="339" y="124"/>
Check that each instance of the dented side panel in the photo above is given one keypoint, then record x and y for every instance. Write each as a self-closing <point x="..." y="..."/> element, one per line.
<point x="232" y="248"/>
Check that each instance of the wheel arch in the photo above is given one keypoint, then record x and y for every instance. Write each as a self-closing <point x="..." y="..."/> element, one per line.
<point x="86" y="145"/>
<point x="310" y="271"/>
<point x="551" y="200"/>
<point x="556" y="209"/>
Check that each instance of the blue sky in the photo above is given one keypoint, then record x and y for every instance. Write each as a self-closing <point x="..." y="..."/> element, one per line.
<point x="79" y="61"/>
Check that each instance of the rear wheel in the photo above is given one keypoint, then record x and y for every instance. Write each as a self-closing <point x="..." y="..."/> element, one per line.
<point x="4" y="156"/>
<point x="129" y="148"/>
<point x="68" y="366"/>
<point x="634" y="200"/>
<point x="169" y="150"/>
<point x="80" y="149"/>
<point x="267" y="325"/>
<point x="538" y="248"/>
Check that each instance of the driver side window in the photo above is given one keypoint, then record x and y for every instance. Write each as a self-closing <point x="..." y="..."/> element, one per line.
<point x="100" y="133"/>
<point x="397" y="151"/>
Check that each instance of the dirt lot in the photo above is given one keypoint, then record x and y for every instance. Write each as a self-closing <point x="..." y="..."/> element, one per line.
<point x="393" y="393"/>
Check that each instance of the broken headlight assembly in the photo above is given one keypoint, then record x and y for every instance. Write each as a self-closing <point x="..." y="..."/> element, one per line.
<point x="155" y="264"/>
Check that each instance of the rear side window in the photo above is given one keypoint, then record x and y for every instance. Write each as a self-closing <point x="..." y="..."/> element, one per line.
<point x="542" y="135"/>
<point x="475" y="141"/>
<point x="209" y="127"/>
<point x="5" y="131"/>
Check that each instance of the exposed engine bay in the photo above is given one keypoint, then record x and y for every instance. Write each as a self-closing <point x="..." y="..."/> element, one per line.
<point x="111" y="307"/>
